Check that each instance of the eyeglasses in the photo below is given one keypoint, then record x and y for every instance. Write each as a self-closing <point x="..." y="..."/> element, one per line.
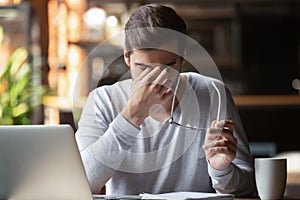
<point x="187" y="126"/>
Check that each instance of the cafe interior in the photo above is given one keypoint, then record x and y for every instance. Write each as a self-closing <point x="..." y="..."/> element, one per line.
<point x="52" y="44"/>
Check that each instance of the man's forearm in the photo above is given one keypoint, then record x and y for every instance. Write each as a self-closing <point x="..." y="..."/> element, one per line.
<point x="233" y="180"/>
<point x="102" y="157"/>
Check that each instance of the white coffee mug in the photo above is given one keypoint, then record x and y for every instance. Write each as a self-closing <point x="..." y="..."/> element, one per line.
<point x="270" y="176"/>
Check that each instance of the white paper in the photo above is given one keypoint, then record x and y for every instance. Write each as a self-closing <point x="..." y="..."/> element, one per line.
<point x="187" y="195"/>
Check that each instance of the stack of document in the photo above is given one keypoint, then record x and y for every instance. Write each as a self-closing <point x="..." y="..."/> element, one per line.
<point x="168" y="196"/>
<point x="187" y="196"/>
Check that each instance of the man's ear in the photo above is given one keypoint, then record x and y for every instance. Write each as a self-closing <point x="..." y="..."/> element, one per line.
<point x="182" y="62"/>
<point x="127" y="58"/>
<point x="182" y="59"/>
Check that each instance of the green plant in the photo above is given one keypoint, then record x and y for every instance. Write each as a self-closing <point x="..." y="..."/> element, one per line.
<point x="18" y="94"/>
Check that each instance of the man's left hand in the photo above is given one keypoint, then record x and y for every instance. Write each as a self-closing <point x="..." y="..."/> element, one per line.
<point x="220" y="144"/>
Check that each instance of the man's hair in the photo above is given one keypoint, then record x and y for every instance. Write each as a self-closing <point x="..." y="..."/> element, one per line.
<point x="146" y="24"/>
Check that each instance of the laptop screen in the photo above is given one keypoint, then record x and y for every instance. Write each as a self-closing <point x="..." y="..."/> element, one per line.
<point x="41" y="162"/>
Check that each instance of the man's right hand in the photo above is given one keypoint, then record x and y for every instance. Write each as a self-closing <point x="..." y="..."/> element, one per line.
<point x="152" y="86"/>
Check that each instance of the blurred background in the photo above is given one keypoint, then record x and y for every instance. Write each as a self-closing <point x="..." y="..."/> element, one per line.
<point x="47" y="45"/>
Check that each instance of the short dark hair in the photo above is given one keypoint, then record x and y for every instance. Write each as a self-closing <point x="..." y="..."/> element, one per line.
<point x="143" y="22"/>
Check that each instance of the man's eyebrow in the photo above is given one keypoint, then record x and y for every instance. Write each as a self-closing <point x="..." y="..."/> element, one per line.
<point x="148" y="65"/>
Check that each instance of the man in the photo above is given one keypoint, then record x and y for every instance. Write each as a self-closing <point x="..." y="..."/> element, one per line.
<point x="148" y="133"/>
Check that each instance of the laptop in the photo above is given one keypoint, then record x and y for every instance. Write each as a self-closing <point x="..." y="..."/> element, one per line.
<point x="41" y="162"/>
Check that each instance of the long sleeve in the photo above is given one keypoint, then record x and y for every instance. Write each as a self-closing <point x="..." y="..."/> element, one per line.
<point x="103" y="140"/>
<point x="117" y="154"/>
<point x="238" y="178"/>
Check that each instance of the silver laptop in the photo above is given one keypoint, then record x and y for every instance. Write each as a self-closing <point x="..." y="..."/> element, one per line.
<point x="41" y="162"/>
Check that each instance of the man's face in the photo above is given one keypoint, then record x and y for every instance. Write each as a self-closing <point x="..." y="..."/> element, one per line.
<point x="140" y="60"/>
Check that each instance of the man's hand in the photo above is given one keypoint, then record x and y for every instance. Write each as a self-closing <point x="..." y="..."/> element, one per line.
<point x="220" y="144"/>
<point x="152" y="86"/>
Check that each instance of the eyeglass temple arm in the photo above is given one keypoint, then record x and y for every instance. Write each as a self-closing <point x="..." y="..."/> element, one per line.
<point x="219" y="100"/>
<point x="174" y="96"/>
<point x="171" y="121"/>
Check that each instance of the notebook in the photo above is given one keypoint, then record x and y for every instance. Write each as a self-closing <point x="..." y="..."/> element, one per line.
<point x="41" y="162"/>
